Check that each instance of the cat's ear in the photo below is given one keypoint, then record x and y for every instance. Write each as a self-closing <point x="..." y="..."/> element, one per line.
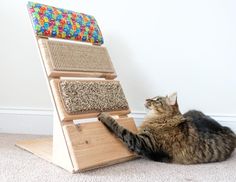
<point x="172" y="99"/>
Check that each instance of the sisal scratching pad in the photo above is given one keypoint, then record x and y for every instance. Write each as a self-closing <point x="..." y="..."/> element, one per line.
<point x="79" y="57"/>
<point x="92" y="96"/>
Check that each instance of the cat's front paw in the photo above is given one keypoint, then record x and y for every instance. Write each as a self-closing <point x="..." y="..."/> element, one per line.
<point x="103" y="117"/>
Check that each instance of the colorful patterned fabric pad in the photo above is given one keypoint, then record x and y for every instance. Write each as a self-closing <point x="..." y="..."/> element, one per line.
<point x="60" y="23"/>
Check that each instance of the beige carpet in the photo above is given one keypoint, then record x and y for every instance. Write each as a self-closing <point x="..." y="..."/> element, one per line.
<point x="17" y="165"/>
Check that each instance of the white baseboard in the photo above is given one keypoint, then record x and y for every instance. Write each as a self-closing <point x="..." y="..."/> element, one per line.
<point x="40" y="121"/>
<point x="26" y="121"/>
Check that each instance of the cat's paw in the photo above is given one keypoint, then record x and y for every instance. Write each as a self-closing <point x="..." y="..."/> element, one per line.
<point x="103" y="117"/>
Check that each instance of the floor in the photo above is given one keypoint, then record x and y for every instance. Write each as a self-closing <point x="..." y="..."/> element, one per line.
<point x="17" y="165"/>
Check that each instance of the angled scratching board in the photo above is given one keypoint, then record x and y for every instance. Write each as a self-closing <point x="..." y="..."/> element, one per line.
<point x="79" y="56"/>
<point x="92" y="96"/>
<point x="73" y="59"/>
<point x="79" y="98"/>
<point x="82" y="146"/>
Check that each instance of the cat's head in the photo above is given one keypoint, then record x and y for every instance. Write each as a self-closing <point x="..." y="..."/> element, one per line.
<point x="163" y="105"/>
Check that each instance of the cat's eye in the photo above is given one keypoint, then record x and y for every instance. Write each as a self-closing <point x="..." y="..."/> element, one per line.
<point x="158" y="99"/>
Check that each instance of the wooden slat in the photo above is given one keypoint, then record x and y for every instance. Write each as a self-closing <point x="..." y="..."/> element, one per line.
<point x="52" y="73"/>
<point x="91" y="145"/>
<point x="41" y="147"/>
<point x="64" y="116"/>
<point x="58" y="74"/>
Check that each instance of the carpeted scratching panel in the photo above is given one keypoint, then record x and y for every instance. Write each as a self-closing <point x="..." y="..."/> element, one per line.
<point x="79" y="57"/>
<point x="92" y="96"/>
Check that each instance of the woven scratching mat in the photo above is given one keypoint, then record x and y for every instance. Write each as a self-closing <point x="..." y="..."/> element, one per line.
<point x="79" y="57"/>
<point x="92" y="96"/>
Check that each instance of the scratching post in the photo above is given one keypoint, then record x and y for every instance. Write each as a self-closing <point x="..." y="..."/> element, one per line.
<point x="81" y="146"/>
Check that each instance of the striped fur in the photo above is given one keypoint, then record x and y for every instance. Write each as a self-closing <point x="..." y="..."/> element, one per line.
<point x="168" y="136"/>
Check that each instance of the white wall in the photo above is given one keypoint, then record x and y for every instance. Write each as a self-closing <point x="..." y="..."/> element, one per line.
<point x="156" y="46"/>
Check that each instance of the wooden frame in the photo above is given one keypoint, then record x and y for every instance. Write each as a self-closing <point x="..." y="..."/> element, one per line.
<point x="82" y="147"/>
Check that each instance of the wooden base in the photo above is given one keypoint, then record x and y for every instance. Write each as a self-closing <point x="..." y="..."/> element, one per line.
<point x="41" y="147"/>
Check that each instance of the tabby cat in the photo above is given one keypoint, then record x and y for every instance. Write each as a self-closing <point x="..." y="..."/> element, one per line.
<point x="166" y="135"/>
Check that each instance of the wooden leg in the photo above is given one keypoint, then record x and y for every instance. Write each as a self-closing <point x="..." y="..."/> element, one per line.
<point x="61" y="155"/>
<point x="53" y="149"/>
